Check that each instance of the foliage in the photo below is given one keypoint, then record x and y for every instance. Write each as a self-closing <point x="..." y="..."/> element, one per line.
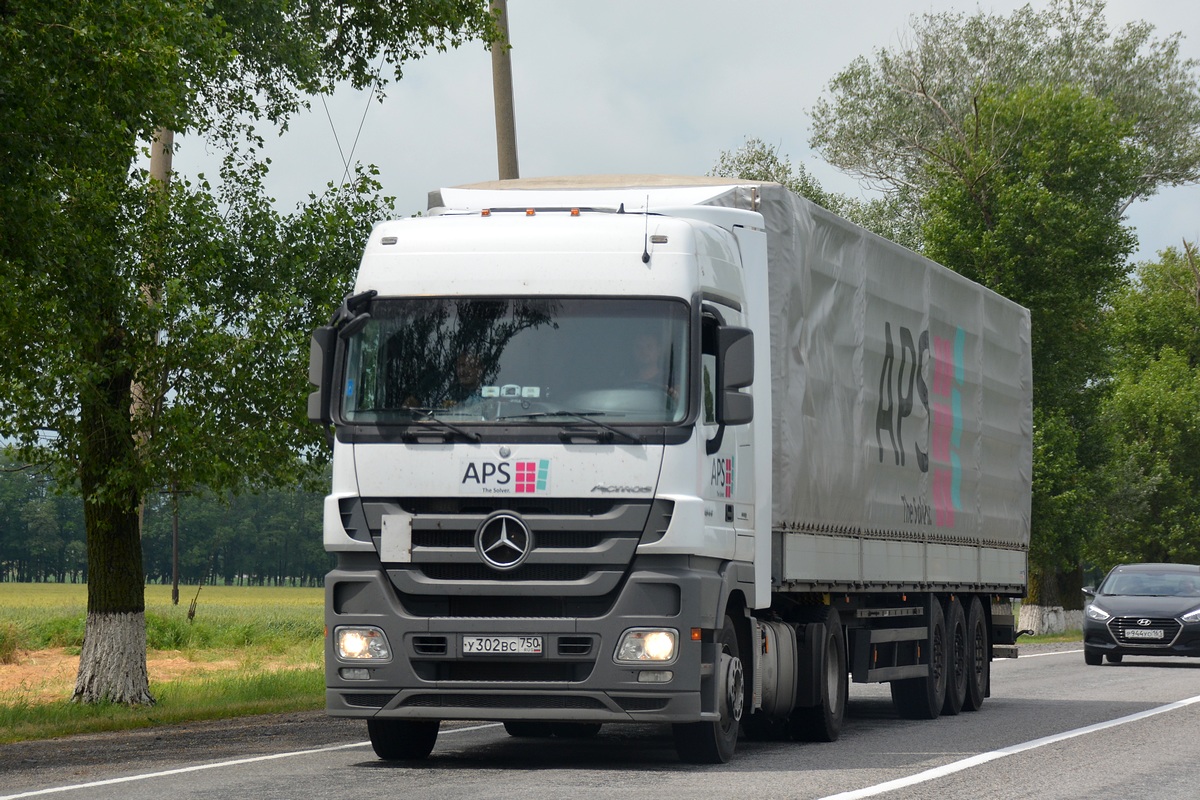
<point x="158" y="335"/>
<point x="268" y="537"/>
<point x="1149" y="417"/>
<point x="884" y="118"/>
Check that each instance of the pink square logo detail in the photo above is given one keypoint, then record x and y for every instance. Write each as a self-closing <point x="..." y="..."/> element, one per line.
<point x="532" y="476"/>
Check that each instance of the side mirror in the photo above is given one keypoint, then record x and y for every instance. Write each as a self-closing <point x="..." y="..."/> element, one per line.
<point x="320" y="374"/>
<point x="735" y="370"/>
<point x="1090" y="591"/>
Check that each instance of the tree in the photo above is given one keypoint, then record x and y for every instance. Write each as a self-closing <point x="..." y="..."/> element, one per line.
<point x="884" y="120"/>
<point x="1152" y="479"/>
<point x="1028" y="206"/>
<point x="205" y="299"/>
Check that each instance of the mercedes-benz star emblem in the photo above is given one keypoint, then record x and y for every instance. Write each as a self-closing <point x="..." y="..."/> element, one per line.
<point x="503" y="541"/>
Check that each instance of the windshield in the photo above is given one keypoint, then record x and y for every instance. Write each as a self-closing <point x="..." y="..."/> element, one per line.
<point x="1161" y="584"/>
<point x="518" y="361"/>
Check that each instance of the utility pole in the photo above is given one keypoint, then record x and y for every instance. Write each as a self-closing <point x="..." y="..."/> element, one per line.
<point x="502" y="90"/>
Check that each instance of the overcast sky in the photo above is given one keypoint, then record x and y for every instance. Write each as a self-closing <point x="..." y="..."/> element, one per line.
<point x="640" y="86"/>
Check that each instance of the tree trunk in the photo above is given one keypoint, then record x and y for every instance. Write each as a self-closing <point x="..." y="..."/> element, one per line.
<point x="112" y="665"/>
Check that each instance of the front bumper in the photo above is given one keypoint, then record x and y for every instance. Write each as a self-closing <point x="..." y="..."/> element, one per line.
<point x="1114" y="637"/>
<point x="575" y="677"/>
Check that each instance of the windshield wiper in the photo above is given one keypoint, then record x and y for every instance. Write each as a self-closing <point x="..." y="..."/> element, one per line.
<point x="427" y="416"/>
<point x="589" y="418"/>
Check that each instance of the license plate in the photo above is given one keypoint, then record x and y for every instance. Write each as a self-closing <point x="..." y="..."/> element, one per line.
<point x="1143" y="633"/>
<point x="502" y="645"/>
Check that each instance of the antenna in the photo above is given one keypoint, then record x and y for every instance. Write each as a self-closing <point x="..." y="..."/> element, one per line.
<point x="646" y="234"/>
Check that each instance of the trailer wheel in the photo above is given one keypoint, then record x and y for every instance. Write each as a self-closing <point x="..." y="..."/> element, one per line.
<point x="402" y="739"/>
<point x="714" y="742"/>
<point x="823" y="722"/>
<point x="922" y="698"/>
<point x="529" y="729"/>
<point x="957" y="656"/>
<point x="979" y="665"/>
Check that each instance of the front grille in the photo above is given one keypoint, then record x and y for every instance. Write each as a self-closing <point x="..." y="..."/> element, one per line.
<point x="465" y="540"/>
<point x="513" y="672"/>
<point x="642" y="703"/>
<point x="1120" y="627"/>
<point x="525" y="506"/>
<point x="502" y="701"/>
<point x="574" y="645"/>
<point x="478" y="572"/>
<point x="430" y="645"/>
<point x="367" y="700"/>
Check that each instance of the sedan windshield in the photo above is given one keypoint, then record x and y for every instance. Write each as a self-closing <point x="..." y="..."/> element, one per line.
<point x="1152" y="584"/>
<point x="518" y="361"/>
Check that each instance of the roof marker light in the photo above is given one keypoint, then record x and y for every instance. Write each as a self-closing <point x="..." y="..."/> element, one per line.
<point x="529" y="212"/>
<point x="487" y="212"/>
<point x="574" y="212"/>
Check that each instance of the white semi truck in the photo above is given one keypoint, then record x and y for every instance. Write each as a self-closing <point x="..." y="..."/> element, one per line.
<point x="690" y="451"/>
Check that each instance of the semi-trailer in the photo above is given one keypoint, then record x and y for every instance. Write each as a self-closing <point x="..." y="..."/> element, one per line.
<point x="691" y="451"/>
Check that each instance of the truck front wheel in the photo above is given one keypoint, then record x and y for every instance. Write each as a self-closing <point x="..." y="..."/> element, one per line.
<point x="714" y="742"/>
<point x="402" y="739"/>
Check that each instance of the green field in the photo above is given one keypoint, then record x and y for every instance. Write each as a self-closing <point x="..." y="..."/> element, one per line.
<point x="247" y="650"/>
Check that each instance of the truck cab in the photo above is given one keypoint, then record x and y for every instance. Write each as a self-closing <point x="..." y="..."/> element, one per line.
<point x="543" y="502"/>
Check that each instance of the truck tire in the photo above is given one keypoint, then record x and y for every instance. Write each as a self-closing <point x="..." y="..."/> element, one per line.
<point x="529" y="729"/>
<point x="714" y="742"/>
<point x="402" y="739"/>
<point x="979" y="663"/>
<point x="958" y="659"/>
<point x="922" y="698"/>
<point x="823" y="722"/>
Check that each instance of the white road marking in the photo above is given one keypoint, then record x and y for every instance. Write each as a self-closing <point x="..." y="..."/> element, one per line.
<point x="1036" y="655"/>
<point x="983" y="758"/>
<point x="215" y="765"/>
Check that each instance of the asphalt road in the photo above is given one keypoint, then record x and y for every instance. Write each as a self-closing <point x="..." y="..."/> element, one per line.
<point x="1053" y="728"/>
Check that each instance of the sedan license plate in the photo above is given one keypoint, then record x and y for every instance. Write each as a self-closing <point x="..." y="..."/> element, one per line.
<point x="1143" y="633"/>
<point x="502" y="645"/>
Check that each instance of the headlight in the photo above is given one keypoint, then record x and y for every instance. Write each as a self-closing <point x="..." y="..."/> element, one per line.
<point x="1192" y="616"/>
<point x="1099" y="614"/>
<point x="364" y="643"/>
<point x="643" y="645"/>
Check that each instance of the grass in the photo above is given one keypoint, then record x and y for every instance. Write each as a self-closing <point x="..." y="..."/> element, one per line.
<point x="1075" y="637"/>
<point x="248" y="650"/>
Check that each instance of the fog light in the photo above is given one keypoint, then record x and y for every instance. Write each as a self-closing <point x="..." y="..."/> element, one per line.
<point x="361" y="643"/>
<point x="639" y="645"/>
<point x="656" y="676"/>
<point x="355" y="674"/>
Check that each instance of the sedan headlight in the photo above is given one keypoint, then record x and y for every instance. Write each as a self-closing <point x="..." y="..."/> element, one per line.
<point x="1097" y="613"/>
<point x="646" y="645"/>
<point x="361" y="643"/>
<point x="1192" y="616"/>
